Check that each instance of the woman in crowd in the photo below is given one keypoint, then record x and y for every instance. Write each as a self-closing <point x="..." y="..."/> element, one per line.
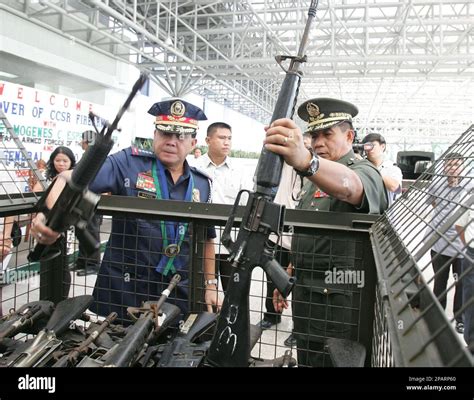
<point x="61" y="159"/>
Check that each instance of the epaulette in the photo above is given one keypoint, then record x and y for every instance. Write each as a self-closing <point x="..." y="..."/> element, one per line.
<point x="204" y="174"/>
<point x="137" y="152"/>
<point x="200" y="172"/>
<point x="142" y="147"/>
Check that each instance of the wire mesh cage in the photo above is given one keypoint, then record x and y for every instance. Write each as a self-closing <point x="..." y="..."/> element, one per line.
<point x="372" y="292"/>
<point x="423" y="252"/>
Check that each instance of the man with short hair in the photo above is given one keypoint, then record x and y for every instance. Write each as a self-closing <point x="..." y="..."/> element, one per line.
<point x="465" y="229"/>
<point x="338" y="182"/>
<point x="445" y="193"/>
<point x="227" y="180"/>
<point x="142" y="255"/>
<point x="391" y="174"/>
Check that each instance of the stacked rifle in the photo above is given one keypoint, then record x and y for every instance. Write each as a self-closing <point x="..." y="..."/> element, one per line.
<point x="152" y="340"/>
<point x="59" y="341"/>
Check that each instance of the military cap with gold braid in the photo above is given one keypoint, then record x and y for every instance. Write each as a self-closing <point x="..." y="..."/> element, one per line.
<point x="177" y="116"/>
<point x="322" y="113"/>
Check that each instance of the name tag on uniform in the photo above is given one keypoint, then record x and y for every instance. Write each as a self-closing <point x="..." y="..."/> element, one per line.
<point x="145" y="182"/>
<point x="146" y="195"/>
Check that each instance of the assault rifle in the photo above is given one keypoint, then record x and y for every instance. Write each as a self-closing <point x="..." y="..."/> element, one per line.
<point x="70" y="359"/>
<point x="153" y="319"/>
<point x="29" y="318"/>
<point x="47" y="341"/>
<point x="183" y="350"/>
<point x="76" y="205"/>
<point x="230" y="345"/>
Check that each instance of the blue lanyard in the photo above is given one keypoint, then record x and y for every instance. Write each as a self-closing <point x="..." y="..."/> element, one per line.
<point x="170" y="231"/>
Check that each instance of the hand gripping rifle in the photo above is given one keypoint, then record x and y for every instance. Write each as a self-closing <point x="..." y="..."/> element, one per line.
<point x="231" y="341"/>
<point x="76" y="205"/>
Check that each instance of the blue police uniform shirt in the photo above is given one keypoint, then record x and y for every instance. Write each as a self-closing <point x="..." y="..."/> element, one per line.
<point x="128" y="274"/>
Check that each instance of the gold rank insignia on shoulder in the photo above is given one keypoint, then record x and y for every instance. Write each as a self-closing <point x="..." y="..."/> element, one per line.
<point x="196" y="195"/>
<point x="177" y="109"/>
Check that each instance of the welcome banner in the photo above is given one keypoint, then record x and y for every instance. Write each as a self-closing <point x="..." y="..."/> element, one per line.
<point x="43" y="121"/>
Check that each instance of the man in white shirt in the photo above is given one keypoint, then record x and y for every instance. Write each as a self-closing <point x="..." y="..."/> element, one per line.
<point x="391" y="174"/>
<point x="448" y="188"/>
<point x="227" y="180"/>
<point x="465" y="228"/>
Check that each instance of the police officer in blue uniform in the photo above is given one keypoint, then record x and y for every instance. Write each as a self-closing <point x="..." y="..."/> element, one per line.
<point x="339" y="182"/>
<point x="142" y="255"/>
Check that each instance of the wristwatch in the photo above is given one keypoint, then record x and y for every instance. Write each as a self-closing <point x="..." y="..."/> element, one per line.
<point x="313" y="166"/>
<point x="210" y="282"/>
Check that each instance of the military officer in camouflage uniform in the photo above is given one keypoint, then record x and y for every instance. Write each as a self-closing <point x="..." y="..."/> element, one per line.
<point x="142" y="255"/>
<point x="337" y="182"/>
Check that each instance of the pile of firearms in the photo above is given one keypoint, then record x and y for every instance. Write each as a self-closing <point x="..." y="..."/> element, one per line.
<point x="153" y="340"/>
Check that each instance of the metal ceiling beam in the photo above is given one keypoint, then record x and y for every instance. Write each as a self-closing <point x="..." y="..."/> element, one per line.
<point x="225" y="50"/>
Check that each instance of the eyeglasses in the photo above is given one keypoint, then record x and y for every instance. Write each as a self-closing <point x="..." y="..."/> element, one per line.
<point x="179" y="135"/>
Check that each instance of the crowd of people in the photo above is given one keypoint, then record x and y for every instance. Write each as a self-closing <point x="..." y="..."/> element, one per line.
<point x="321" y="172"/>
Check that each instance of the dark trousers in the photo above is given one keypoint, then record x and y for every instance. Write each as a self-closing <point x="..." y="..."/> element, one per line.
<point x="441" y="266"/>
<point x="92" y="260"/>
<point x="468" y="294"/>
<point x="282" y="255"/>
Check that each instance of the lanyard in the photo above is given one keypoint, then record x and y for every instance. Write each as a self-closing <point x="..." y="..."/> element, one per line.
<point x="170" y="231"/>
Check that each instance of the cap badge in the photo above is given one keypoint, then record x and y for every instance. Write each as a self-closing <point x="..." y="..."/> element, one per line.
<point x="314" y="114"/>
<point x="313" y="110"/>
<point x="177" y="109"/>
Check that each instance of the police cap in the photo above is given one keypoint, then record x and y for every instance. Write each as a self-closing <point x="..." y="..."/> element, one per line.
<point x="177" y="116"/>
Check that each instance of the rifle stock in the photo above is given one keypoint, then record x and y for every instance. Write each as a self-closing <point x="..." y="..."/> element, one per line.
<point x="230" y="345"/>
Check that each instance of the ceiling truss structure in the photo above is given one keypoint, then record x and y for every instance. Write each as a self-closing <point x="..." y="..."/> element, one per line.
<point x="406" y="63"/>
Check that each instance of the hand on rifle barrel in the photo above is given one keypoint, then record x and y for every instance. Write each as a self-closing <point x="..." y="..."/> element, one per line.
<point x="285" y="138"/>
